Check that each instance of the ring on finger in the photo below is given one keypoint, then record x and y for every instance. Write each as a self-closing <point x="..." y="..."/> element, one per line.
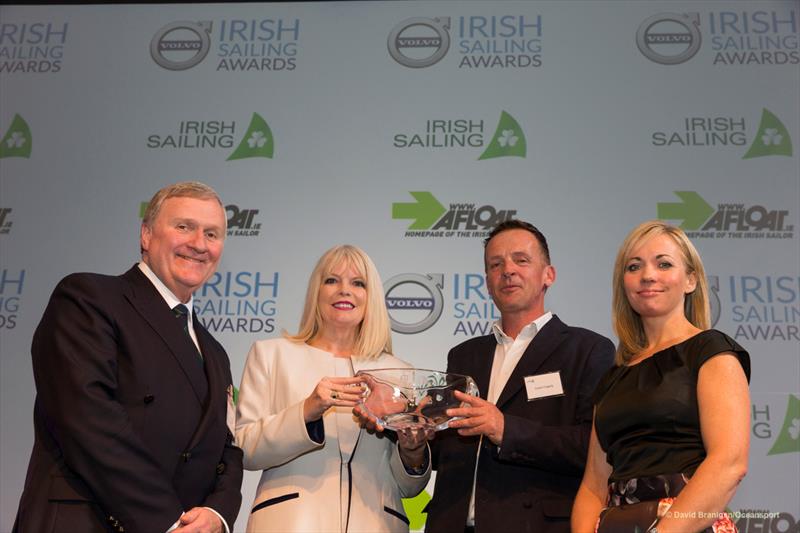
<point x="334" y="395"/>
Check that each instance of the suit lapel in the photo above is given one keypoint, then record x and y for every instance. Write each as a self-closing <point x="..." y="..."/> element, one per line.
<point x="481" y="365"/>
<point x="144" y="297"/>
<point x="538" y="351"/>
<point x="217" y="385"/>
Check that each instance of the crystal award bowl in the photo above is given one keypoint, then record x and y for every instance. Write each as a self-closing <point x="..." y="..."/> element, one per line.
<point x="413" y="398"/>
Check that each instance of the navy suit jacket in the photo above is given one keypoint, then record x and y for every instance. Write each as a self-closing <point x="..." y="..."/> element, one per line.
<point x="130" y="425"/>
<point x="529" y="483"/>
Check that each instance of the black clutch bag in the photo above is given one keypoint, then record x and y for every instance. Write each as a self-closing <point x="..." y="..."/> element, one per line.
<point x="629" y="518"/>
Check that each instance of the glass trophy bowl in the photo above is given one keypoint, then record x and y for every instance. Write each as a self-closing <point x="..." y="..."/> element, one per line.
<point x="413" y="398"/>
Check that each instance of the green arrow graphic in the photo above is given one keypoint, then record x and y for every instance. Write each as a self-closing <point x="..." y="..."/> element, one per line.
<point x="257" y="141"/>
<point x="693" y="210"/>
<point x="17" y="141"/>
<point x="508" y="139"/>
<point x="425" y="211"/>
<point x="788" y="440"/>
<point x="772" y="138"/>
<point x="413" y="508"/>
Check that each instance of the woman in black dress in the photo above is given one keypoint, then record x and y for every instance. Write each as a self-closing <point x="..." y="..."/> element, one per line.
<point x="672" y="418"/>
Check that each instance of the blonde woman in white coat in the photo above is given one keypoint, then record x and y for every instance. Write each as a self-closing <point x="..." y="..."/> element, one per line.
<point x="322" y="472"/>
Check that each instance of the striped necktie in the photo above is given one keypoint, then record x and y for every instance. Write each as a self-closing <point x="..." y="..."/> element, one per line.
<point x="182" y="314"/>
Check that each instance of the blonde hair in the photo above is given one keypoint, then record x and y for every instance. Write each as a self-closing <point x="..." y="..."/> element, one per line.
<point x="627" y="322"/>
<point x="374" y="335"/>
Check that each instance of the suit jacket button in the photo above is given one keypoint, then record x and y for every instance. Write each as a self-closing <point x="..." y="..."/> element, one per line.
<point x="186" y="456"/>
<point x="220" y="469"/>
<point x="149" y="398"/>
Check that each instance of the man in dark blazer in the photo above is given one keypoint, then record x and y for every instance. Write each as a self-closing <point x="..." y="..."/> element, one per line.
<point x="131" y="420"/>
<point x="514" y="463"/>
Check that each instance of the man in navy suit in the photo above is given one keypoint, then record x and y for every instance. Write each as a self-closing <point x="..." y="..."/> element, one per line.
<point x="131" y="420"/>
<point x="514" y="463"/>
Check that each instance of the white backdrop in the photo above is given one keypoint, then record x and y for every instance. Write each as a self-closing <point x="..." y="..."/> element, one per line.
<point x="317" y="122"/>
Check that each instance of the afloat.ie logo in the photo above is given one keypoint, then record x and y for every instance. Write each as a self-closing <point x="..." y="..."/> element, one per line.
<point x="419" y="42"/>
<point x="424" y="212"/>
<point x="18" y="141"/>
<point x="772" y="138"/>
<point x="257" y="141"/>
<point x="727" y="220"/>
<point x="669" y="38"/>
<point x="508" y="139"/>
<point x="431" y="219"/>
<point x="788" y="440"/>
<point x="181" y="45"/>
<point x="692" y="210"/>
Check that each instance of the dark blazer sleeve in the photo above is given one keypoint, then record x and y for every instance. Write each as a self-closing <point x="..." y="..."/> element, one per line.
<point x="227" y="496"/>
<point x="76" y="365"/>
<point x="561" y="447"/>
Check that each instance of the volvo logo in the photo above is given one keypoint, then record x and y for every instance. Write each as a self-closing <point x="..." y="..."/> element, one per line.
<point x="668" y="38"/>
<point x="414" y="301"/>
<point x="420" y="42"/>
<point x="181" y="45"/>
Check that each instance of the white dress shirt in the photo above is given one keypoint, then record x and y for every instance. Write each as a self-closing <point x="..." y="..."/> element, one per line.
<point x="171" y="299"/>
<point x="507" y="354"/>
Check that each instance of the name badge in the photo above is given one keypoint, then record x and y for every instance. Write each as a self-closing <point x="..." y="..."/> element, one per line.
<point x="544" y="386"/>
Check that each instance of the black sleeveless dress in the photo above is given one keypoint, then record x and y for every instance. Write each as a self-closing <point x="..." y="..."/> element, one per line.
<point x="647" y="418"/>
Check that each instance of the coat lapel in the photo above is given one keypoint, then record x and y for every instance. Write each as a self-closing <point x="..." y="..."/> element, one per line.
<point x="538" y="351"/>
<point x="481" y="365"/>
<point x="217" y="382"/>
<point x="144" y="297"/>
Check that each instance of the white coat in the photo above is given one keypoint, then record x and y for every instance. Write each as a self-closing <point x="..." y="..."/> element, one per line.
<point x="303" y="482"/>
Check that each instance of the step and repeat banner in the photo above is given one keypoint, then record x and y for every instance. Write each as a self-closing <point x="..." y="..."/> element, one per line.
<point x="411" y="129"/>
